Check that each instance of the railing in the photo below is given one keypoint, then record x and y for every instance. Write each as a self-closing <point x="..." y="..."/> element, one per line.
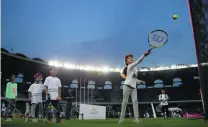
<point x="118" y="103"/>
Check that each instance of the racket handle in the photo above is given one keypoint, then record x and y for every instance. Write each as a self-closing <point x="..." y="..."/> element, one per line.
<point x="147" y="53"/>
<point x="150" y="50"/>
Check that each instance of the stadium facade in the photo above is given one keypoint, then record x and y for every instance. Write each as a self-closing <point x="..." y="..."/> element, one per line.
<point x="100" y="88"/>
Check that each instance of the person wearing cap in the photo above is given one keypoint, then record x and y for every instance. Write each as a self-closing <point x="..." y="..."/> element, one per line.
<point x="35" y="96"/>
<point x="129" y="73"/>
<point x="53" y="91"/>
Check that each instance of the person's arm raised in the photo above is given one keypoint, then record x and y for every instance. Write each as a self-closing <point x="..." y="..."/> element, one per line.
<point x="139" y="60"/>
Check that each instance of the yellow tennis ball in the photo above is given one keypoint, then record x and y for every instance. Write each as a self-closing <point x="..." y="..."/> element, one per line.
<point x="175" y="17"/>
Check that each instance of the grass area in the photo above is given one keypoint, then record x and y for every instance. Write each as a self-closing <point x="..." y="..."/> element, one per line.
<point x="111" y="123"/>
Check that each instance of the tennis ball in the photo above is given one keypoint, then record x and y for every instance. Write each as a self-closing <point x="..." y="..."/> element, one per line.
<point x="175" y="17"/>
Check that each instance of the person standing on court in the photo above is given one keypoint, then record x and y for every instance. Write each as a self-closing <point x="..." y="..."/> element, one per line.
<point x="129" y="73"/>
<point x="35" y="96"/>
<point x="53" y="90"/>
<point x="11" y="94"/>
<point x="163" y="98"/>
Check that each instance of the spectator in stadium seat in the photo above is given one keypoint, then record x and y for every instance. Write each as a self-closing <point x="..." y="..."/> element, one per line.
<point x="53" y="89"/>
<point x="11" y="94"/>
<point x="35" y="96"/>
<point x="163" y="97"/>
<point x="129" y="73"/>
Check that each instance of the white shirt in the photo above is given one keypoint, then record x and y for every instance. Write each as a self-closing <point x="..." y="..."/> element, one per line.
<point x="131" y="71"/>
<point x="36" y="91"/>
<point x="53" y="83"/>
<point x="164" y="99"/>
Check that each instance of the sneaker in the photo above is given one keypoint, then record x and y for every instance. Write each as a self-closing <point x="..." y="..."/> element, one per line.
<point x="137" y="121"/>
<point x="8" y="119"/>
<point x="26" y="119"/>
<point x="34" y="120"/>
<point x="58" y="121"/>
<point x="40" y="120"/>
<point x="121" y="120"/>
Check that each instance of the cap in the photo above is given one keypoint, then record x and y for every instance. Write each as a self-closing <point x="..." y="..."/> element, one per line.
<point x="38" y="74"/>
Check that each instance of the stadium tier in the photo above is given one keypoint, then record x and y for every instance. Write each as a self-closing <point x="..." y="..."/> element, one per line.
<point x="108" y="87"/>
<point x="100" y="88"/>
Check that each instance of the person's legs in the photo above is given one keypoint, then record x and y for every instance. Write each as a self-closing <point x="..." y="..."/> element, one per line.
<point x="45" y="109"/>
<point x="40" y="107"/>
<point x="13" y="105"/>
<point x="70" y="108"/>
<point x="9" y="109"/>
<point x="165" y="111"/>
<point x="67" y="110"/>
<point x="135" y="104"/>
<point x="33" y="109"/>
<point x="126" y="92"/>
<point x="57" y="106"/>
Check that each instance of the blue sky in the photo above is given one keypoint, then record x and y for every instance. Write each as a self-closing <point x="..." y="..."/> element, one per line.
<point x="97" y="32"/>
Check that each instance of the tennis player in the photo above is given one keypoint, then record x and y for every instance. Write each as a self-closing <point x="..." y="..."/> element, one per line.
<point x="11" y="94"/>
<point x="53" y="89"/>
<point x="35" y="96"/>
<point x="163" y="97"/>
<point x="129" y="73"/>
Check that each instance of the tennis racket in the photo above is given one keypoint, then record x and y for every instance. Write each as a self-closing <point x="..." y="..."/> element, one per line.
<point x="157" y="38"/>
<point x="27" y="115"/>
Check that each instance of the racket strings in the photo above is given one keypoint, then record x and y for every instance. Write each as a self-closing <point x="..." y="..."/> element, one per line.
<point x="157" y="38"/>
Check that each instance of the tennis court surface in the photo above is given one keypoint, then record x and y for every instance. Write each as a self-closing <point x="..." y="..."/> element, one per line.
<point x="111" y="123"/>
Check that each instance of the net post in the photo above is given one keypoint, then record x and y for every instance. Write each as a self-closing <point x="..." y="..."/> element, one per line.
<point x="153" y="110"/>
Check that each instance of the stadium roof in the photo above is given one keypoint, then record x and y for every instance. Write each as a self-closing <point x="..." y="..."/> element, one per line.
<point x="92" y="68"/>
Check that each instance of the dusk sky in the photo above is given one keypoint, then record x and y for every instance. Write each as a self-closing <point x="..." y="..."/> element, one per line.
<point x="97" y="32"/>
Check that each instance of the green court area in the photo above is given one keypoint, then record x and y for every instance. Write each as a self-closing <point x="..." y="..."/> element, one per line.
<point x="111" y="123"/>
